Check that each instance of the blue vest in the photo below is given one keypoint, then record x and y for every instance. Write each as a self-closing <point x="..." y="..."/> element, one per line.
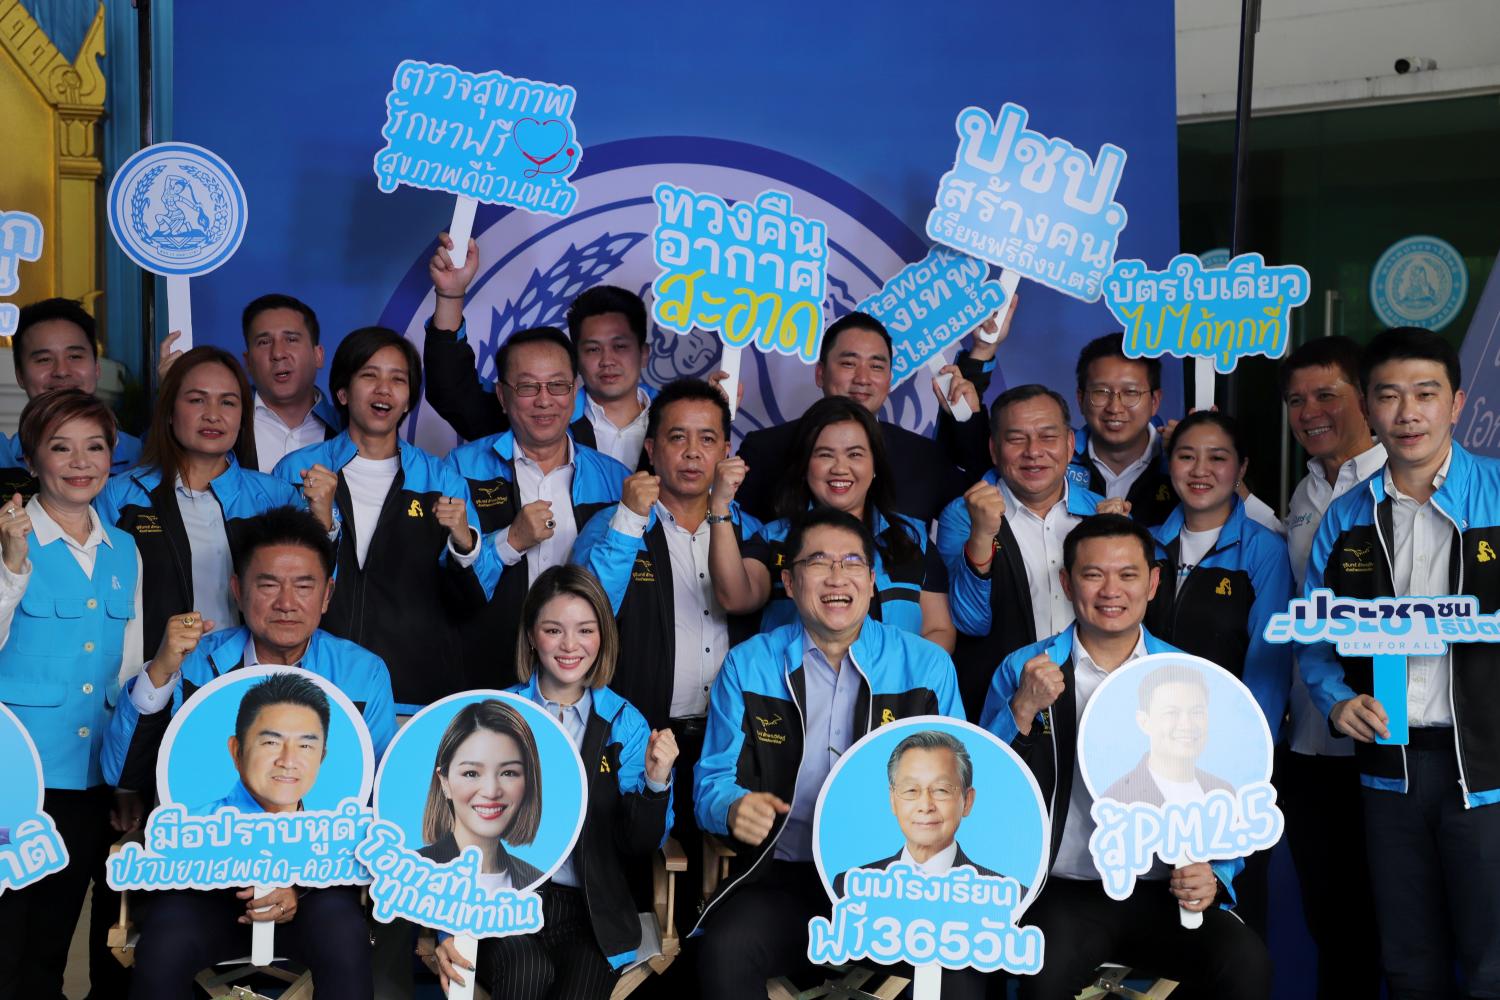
<point x="60" y="667"/>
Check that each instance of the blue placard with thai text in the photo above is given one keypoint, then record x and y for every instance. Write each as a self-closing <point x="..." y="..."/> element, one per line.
<point x="30" y="846"/>
<point x="929" y="305"/>
<point x="269" y="795"/>
<point x="754" y="271"/>
<point x="20" y="239"/>
<point x="498" y="139"/>
<point x="931" y="837"/>
<point x="1030" y="203"/>
<point x="1197" y="310"/>
<point x="1388" y="630"/>
<point x="1177" y="757"/>
<point x="464" y="833"/>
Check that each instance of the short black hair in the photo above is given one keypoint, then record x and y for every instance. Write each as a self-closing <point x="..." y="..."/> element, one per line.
<point x="1107" y="526"/>
<point x="1025" y="393"/>
<point x="685" y="390"/>
<point x="1112" y="345"/>
<point x="355" y="351"/>
<point x="1172" y="673"/>
<point x="603" y="299"/>
<point x="1223" y="421"/>
<point x="280" y="526"/>
<point x="1409" y="343"/>
<point x="285" y="688"/>
<point x="1322" y="352"/>
<point x="50" y="309"/>
<point x="276" y="300"/>
<point x="852" y="321"/>
<point x="827" y="517"/>
<point x="535" y="335"/>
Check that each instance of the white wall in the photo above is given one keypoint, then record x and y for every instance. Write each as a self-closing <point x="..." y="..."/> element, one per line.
<point x="1325" y="53"/>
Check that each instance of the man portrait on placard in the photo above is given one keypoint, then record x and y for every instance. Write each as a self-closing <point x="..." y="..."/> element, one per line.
<point x="280" y="741"/>
<point x="1173" y="713"/>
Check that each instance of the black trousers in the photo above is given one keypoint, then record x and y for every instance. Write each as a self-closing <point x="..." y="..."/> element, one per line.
<point x="562" y="961"/>
<point x="183" y="932"/>
<point x="1435" y="869"/>
<point x="1222" y="960"/>
<point x="1325" y="829"/>
<point x="37" y="922"/>
<point x="760" y="931"/>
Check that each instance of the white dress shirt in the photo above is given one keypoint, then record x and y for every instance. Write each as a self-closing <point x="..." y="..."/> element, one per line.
<point x="47" y="531"/>
<point x="1117" y="484"/>
<point x="1041" y="542"/>
<point x="208" y="550"/>
<point x="1073" y="858"/>
<point x="940" y="863"/>
<point x="556" y="487"/>
<point x="623" y="444"/>
<point x="1305" y="510"/>
<point x="275" y="438"/>
<point x="1420" y="548"/>
<point x="702" y="626"/>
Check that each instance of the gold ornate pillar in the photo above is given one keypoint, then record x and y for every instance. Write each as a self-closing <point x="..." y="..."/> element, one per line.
<point x="50" y="110"/>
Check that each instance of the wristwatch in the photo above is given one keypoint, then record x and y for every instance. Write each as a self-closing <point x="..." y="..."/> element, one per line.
<point x="719" y="518"/>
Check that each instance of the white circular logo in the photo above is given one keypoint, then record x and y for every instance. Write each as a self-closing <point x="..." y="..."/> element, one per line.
<point x="1419" y="281"/>
<point x="177" y="209"/>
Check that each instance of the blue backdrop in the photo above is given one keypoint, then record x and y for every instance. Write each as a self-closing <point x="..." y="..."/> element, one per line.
<point x="853" y="115"/>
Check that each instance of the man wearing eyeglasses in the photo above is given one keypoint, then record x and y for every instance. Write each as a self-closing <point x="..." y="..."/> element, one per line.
<point x="533" y="485"/>
<point x="785" y="705"/>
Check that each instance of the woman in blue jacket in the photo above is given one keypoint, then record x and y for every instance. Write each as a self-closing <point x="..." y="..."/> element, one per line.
<point x="69" y="623"/>
<point x="840" y="462"/>
<point x="184" y="503"/>
<point x="565" y="656"/>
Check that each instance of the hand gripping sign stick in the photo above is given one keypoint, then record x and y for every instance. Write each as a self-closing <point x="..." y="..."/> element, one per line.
<point x="262" y="935"/>
<point x="729" y="363"/>
<point x="961" y="410"/>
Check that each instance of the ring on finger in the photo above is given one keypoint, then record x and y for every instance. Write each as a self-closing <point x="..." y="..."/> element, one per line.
<point x="550" y="523"/>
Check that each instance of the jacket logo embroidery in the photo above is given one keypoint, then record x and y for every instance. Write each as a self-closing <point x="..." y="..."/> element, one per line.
<point x="643" y="571"/>
<point x="415" y="509"/>
<point x="1358" y="560"/>
<point x="1046" y="722"/>
<point x="603" y="765"/>
<point x="1485" y="552"/>
<point x="147" y="524"/>
<point x="1161" y="493"/>
<point x="763" y="727"/>
<point x="887" y="716"/>
<point x="486" y="497"/>
<point x="1223" y="589"/>
<point x="780" y="560"/>
<point x="114" y="583"/>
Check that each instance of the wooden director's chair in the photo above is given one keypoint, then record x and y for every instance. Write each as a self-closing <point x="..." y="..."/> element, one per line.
<point x="660" y="942"/>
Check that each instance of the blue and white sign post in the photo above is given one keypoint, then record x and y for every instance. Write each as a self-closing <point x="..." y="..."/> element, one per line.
<point x="1177" y="757"/>
<point x="1388" y="630"/>
<point x="20" y="239"/>
<point x="929" y="305"/>
<point x="931" y="836"/>
<point x="483" y="137"/>
<point x="177" y="210"/>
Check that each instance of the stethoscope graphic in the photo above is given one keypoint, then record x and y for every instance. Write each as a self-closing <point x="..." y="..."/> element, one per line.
<point x="566" y="150"/>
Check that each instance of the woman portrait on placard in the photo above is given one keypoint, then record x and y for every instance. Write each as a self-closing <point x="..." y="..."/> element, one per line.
<point x="486" y="792"/>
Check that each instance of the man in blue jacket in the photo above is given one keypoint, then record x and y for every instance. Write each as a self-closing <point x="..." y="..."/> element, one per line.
<point x="1428" y="524"/>
<point x="1036" y="701"/>
<point x="785" y="705"/>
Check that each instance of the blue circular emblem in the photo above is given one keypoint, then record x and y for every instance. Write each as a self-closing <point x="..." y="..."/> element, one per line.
<point x="1419" y="281"/>
<point x="1217" y="257"/>
<point x="177" y="209"/>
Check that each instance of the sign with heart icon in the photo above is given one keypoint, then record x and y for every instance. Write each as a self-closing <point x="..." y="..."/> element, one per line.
<point x="483" y="137"/>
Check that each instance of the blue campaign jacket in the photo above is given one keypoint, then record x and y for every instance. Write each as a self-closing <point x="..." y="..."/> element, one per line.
<point x="636" y="573"/>
<point x="898" y="589"/>
<point x="487" y="466"/>
<point x="1351" y="555"/>
<point x="1221" y="610"/>
<point x="16" y="478"/>
<point x="130" y="747"/>
<point x="993" y="612"/>
<point x="143" y="503"/>
<point x="408" y="601"/>
<point x="60" y="665"/>
<point x="1051" y="748"/>
<point x="625" y="824"/>
<point x="754" y="738"/>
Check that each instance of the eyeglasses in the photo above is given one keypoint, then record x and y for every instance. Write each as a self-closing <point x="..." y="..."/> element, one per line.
<point x="557" y="388"/>
<point x="822" y="564"/>
<point x="1130" y="396"/>
<point x="939" y="793"/>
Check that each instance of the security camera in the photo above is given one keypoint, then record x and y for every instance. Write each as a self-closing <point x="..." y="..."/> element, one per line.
<point x="1415" y="64"/>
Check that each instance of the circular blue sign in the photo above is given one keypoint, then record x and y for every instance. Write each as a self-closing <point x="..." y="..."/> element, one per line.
<point x="177" y="209"/>
<point x="1419" y="281"/>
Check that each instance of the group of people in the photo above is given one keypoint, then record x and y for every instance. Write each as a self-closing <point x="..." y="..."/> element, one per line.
<point x="600" y="548"/>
